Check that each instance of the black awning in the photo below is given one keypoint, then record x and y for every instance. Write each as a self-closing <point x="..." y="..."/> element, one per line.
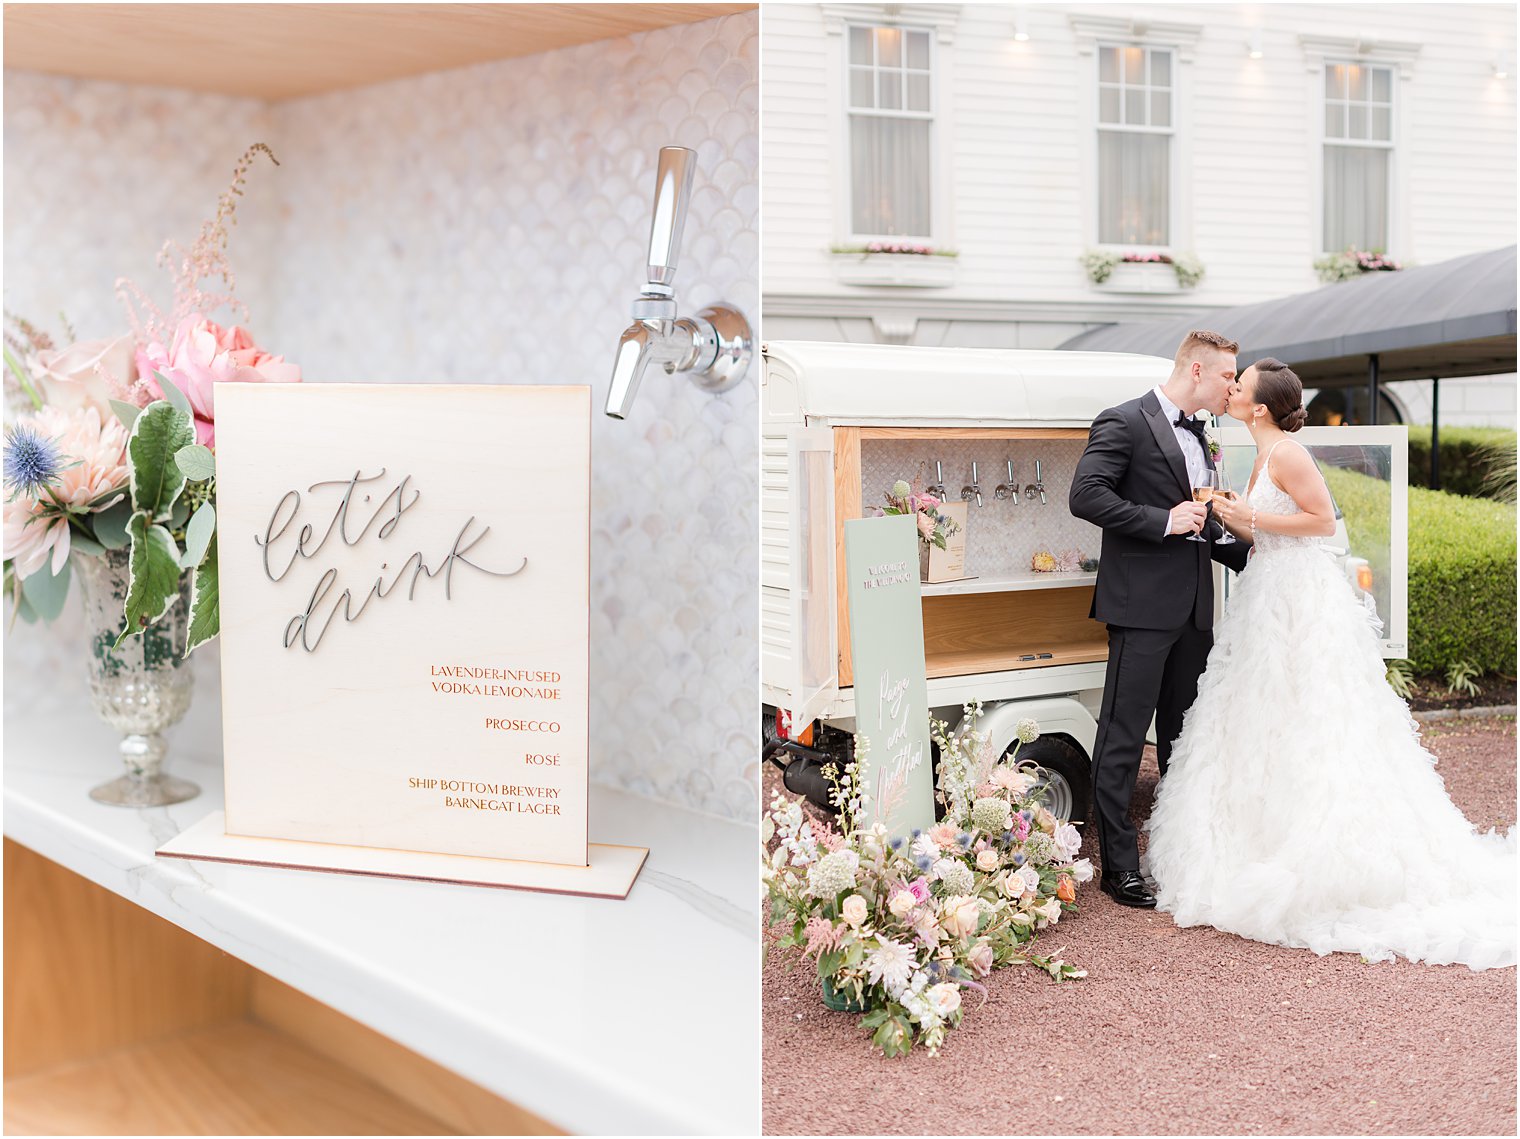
<point x="1452" y="319"/>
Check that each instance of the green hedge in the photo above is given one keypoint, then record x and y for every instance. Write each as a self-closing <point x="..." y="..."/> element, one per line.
<point x="1467" y="455"/>
<point x="1461" y="569"/>
<point x="1461" y="582"/>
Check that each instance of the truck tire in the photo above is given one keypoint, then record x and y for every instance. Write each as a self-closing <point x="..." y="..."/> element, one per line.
<point x="1068" y="788"/>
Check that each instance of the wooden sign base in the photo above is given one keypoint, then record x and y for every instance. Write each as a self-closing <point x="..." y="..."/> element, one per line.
<point x="611" y="872"/>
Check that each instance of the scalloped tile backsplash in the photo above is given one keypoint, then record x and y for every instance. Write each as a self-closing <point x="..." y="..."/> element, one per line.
<point x="481" y="225"/>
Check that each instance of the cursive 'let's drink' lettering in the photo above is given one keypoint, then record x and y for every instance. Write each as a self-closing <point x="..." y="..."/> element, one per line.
<point x="282" y="549"/>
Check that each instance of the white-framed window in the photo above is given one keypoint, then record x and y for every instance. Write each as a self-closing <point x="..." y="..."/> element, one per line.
<point x="890" y="102"/>
<point x="1137" y="104"/>
<point x="1358" y="155"/>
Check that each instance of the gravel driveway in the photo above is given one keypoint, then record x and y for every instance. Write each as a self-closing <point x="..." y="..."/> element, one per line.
<point x="1181" y="1031"/>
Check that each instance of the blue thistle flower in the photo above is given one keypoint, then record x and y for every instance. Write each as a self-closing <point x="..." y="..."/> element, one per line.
<point x="31" y="462"/>
<point x="917" y="831"/>
<point x="1018" y="859"/>
<point x="934" y="968"/>
<point x="1007" y="838"/>
<point x="964" y="839"/>
<point x="922" y="862"/>
<point x="895" y="843"/>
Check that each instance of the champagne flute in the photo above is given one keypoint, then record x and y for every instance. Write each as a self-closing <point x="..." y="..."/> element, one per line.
<point x="1205" y="483"/>
<point x="1225" y="537"/>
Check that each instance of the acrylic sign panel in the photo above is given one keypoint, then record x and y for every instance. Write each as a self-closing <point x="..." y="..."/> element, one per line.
<point x="404" y="595"/>
<point x="891" y="689"/>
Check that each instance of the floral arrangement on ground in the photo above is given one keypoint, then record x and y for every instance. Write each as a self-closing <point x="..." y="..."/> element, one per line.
<point x="933" y="527"/>
<point x="902" y="926"/>
<point x="109" y="452"/>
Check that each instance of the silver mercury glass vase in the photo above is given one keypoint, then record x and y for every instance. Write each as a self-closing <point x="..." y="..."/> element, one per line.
<point x="139" y="689"/>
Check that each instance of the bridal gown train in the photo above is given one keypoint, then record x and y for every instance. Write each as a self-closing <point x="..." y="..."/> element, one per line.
<point x="1299" y="807"/>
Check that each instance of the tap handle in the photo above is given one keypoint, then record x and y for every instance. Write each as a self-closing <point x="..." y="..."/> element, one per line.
<point x="939" y="474"/>
<point x="672" y="192"/>
<point x="1037" y="476"/>
<point x="1010" y="471"/>
<point x="973" y="472"/>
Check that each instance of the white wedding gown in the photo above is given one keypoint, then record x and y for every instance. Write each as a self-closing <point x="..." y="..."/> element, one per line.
<point x="1299" y="807"/>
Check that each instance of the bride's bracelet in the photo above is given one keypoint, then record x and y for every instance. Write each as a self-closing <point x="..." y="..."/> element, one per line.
<point x="1253" y="523"/>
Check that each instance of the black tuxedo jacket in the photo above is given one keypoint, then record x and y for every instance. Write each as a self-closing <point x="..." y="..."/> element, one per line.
<point x="1128" y="479"/>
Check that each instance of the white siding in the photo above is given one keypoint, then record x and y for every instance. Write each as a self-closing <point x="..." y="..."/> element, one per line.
<point x="1019" y="132"/>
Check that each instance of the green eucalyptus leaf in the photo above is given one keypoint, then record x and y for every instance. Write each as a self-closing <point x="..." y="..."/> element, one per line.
<point x="179" y="514"/>
<point x="45" y="593"/>
<point x="126" y="412"/>
<point x="198" y="535"/>
<point x="111" y="525"/>
<point x="84" y="544"/>
<point x="25" y="611"/>
<point x="174" y="394"/>
<point x="160" y="431"/>
<point x="205" y="604"/>
<point x="196" y="461"/>
<point x="155" y="575"/>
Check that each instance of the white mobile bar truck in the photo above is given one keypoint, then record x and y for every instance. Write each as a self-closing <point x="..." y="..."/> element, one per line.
<point x="1002" y="429"/>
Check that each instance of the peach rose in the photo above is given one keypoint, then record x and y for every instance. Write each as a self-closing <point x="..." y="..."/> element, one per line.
<point x="987" y="860"/>
<point x="855" y="910"/>
<point x="1066" y="889"/>
<point x="76" y="376"/>
<point x="981" y="959"/>
<point x="961" y="915"/>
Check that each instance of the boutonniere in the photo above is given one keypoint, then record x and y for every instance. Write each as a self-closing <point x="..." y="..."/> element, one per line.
<point x="1212" y="444"/>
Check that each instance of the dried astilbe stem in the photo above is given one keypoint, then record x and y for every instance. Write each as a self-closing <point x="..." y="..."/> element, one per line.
<point x="36" y="340"/>
<point x="205" y="260"/>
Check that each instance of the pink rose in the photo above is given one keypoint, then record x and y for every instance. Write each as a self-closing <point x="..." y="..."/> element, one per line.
<point x="961" y="915"/>
<point x="80" y="375"/>
<point x="854" y="910"/>
<point x="204" y="354"/>
<point x="919" y="888"/>
<point x="981" y="959"/>
<point x="987" y="861"/>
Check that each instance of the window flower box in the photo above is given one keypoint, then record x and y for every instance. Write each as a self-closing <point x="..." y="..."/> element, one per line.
<point x="1112" y="272"/>
<point x="908" y="266"/>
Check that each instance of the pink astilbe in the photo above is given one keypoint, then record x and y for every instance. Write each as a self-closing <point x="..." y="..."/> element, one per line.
<point x="205" y="260"/>
<point x="828" y="838"/>
<point x="823" y="936"/>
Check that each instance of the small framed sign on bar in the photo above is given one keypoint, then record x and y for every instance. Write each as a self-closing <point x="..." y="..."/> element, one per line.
<point x="404" y="576"/>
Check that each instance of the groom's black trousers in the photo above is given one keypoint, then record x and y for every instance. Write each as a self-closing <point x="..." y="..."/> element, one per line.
<point x="1149" y="670"/>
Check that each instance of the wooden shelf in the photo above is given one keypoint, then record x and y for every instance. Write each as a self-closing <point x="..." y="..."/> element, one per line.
<point x="286" y="51"/>
<point x="119" y="1023"/>
<point x="237" y="1078"/>
<point x="968" y="661"/>
<point x="917" y="433"/>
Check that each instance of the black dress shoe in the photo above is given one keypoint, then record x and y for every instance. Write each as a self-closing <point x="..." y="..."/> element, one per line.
<point x="1129" y="889"/>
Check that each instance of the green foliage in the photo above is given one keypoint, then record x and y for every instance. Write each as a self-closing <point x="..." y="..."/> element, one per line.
<point x="1401" y="679"/>
<point x="1461" y="583"/>
<point x="155" y="575"/>
<point x="196" y="462"/>
<point x="159" y="432"/>
<point x="1474" y="460"/>
<point x="1460" y="676"/>
<point x="45" y="593"/>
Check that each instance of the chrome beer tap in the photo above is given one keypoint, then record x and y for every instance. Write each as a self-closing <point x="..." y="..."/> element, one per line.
<point x="938" y="488"/>
<point x="714" y="346"/>
<point x="1037" y="487"/>
<point x="1009" y="489"/>
<point x="972" y="491"/>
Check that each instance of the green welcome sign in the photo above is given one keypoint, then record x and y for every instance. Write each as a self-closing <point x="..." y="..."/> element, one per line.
<point x="891" y="693"/>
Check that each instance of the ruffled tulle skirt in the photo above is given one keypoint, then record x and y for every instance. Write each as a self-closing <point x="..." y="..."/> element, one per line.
<point x="1299" y="807"/>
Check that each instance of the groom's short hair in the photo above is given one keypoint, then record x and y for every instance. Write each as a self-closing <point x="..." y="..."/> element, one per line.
<point x="1197" y="343"/>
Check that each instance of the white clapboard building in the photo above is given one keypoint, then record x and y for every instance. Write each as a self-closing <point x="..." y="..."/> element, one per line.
<point x="1030" y="147"/>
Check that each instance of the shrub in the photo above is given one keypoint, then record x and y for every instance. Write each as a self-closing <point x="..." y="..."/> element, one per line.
<point x="1461" y="583"/>
<point x="1472" y="458"/>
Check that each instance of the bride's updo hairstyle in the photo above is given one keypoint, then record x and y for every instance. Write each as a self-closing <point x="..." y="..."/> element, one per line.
<point x="1278" y="387"/>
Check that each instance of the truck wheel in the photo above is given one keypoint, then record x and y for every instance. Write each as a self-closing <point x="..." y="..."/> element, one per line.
<point x="1068" y="775"/>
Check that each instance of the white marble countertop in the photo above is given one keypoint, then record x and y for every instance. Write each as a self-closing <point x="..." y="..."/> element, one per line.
<point x="1009" y="583"/>
<point x="631" y="1017"/>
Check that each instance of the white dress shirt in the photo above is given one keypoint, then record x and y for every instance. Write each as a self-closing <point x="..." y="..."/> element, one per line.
<point x="1192" y="449"/>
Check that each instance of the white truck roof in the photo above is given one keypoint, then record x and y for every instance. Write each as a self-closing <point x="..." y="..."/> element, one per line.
<point x="896" y="384"/>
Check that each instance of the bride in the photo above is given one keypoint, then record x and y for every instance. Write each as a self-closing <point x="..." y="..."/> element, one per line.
<point x="1299" y="807"/>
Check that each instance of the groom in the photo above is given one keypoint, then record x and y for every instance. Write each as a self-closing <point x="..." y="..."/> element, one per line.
<point x="1155" y="589"/>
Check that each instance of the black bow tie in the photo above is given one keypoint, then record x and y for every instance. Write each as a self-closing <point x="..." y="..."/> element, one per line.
<point x="1188" y="423"/>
